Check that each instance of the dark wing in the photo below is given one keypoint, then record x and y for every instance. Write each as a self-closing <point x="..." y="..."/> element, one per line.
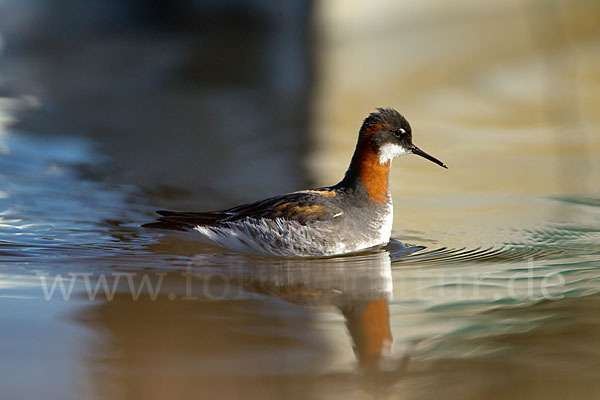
<point x="183" y="221"/>
<point x="304" y="207"/>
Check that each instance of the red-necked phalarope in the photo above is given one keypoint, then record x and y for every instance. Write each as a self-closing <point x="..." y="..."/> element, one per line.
<point x="354" y="215"/>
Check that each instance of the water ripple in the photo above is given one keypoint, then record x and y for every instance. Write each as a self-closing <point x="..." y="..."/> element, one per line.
<point x="445" y="255"/>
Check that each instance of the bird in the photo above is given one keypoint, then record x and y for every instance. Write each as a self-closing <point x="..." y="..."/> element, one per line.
<point x="351" y="216"/>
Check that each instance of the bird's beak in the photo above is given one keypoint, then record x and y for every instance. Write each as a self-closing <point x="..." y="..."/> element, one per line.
<point x="415" y="150"/>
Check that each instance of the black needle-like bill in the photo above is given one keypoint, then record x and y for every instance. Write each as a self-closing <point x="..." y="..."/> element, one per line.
<point x="415" y="150"/>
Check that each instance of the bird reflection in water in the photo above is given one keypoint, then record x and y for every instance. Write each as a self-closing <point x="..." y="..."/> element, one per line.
<point x="250" y="325"/>
<point x="359" y="286"/>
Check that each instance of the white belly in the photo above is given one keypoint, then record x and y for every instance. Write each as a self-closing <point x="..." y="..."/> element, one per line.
<point x="286" y="238"/>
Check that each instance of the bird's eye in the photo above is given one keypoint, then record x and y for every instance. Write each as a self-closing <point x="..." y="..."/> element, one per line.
<point x="399" y="132"/>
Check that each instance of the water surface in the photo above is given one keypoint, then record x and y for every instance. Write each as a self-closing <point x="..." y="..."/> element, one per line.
<point x="489" y="288"/>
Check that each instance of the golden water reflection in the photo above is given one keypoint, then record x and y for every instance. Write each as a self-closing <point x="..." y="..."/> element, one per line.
<point x="505" y="93"/>
<point x="259" y="326"/>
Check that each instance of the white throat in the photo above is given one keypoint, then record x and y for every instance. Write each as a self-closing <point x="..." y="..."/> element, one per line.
<point x="389" y="151"/>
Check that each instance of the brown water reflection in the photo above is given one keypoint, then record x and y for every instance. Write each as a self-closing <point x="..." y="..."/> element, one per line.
<point x="232" y="326"/>
<point x="235" y="331"/>
<point x="232" y="331"/>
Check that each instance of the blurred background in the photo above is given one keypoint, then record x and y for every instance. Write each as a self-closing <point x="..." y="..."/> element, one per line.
<point x="201" y="103"/>
<point x="110" y="109"/>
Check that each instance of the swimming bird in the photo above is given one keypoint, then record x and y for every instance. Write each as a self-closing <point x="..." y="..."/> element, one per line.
<point x="354" y="215"/>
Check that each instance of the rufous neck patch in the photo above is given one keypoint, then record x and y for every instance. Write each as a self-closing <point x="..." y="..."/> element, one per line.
<point x="372" y="174"/>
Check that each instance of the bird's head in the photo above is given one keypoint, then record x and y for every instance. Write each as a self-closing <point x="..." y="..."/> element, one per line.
<point x="391" y="136"/>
